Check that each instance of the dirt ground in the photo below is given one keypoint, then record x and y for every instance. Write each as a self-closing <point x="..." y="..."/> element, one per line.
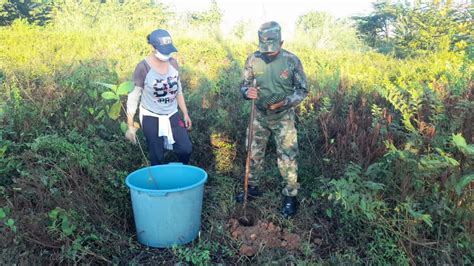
<point x="262" y="235"/>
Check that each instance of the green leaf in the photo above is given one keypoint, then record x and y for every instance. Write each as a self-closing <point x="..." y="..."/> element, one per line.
<point x="114" y="111"/>
<point x="2" y="213"/>
<point x="107" y="85"/>
<point x="10" y="222"/>
<point x="92" y="93"/>
<point x="465" y="180"/>
<point x="373" y="185"/>
<point x="329" y="212"/>
<point x="67" y="228"/>
<point x="427" y="219"/>
<point x="93" y="237"/>
<point x="459" y="141"/>
<point x="363" y="205"/>
<point x="461" y="144"/>
<point x="419" y="215"/>
<point x="125" y="88"/>
<point x="99" y="115"/>
<point x="123" y="127"/>
<point x="470" y="150"/>
<point x="108" y="95"/>
<point x="53" y="214"/>
<point x="3" y="150"/>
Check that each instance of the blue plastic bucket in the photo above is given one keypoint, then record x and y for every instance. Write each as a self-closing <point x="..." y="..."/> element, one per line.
<point x="170" y="214"/>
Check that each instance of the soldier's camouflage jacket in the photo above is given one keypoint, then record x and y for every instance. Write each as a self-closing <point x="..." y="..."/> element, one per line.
<point x="279" y="78"/>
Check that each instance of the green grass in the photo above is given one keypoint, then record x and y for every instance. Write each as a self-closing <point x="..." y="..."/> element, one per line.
<point x="367" y="123"/>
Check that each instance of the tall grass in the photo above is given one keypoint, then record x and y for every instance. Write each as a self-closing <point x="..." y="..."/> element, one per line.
<point x="378" y="165"/>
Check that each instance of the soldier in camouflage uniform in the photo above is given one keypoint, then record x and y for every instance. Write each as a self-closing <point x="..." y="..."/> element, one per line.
<point x="275" y="78"/>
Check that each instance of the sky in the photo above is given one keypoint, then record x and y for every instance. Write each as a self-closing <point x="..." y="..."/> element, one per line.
<point x="284" y="12"/>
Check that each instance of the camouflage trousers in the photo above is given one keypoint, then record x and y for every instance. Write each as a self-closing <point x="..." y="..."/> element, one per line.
<point x="282" y="126"/>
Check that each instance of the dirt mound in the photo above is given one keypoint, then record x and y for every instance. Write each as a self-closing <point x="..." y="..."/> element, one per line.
<point x="262" y="234"/>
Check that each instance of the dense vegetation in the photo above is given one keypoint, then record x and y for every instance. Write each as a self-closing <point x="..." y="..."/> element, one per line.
<point x="386" y="161"/>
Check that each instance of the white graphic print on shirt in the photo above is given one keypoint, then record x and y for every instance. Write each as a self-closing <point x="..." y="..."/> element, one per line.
<point x="159" y="90"/>
<point x="165" y="90"/>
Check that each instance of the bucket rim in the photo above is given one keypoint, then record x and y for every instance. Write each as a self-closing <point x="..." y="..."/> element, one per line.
<point x="131" y="186"/>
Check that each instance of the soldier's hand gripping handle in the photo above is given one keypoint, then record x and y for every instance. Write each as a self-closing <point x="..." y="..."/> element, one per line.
<point x="252" y="92"/>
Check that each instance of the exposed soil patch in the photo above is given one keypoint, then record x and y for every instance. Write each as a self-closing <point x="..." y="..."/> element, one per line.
<point x="262" y="234"/>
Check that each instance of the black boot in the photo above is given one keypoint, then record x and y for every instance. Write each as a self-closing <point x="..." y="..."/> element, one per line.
<point x="290" y="205"/>
<point x="253" y="192"/>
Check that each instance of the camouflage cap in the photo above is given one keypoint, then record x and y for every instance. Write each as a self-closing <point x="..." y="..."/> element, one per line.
<point x="269" y="37"/>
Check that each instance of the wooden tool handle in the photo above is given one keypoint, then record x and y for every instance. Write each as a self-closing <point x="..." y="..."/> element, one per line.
<point x="249" y="152"/>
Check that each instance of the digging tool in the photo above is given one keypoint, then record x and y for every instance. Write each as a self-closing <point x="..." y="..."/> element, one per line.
<point x="246" y="219"/>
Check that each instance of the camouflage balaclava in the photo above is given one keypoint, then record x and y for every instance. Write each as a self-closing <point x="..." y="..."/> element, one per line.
<point x="269" y="37"/>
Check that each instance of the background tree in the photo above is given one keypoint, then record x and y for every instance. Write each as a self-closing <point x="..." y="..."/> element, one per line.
<point x="433" y="26"/>
<point x="376" y="29"/>
<point x="34" y="11"/>
<point x="419" y="29"/>
<point x="242" y="29"/>
<point x="321" y="30"/>
<point x="210" y="18"/>
<point x="107" y="15"/>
